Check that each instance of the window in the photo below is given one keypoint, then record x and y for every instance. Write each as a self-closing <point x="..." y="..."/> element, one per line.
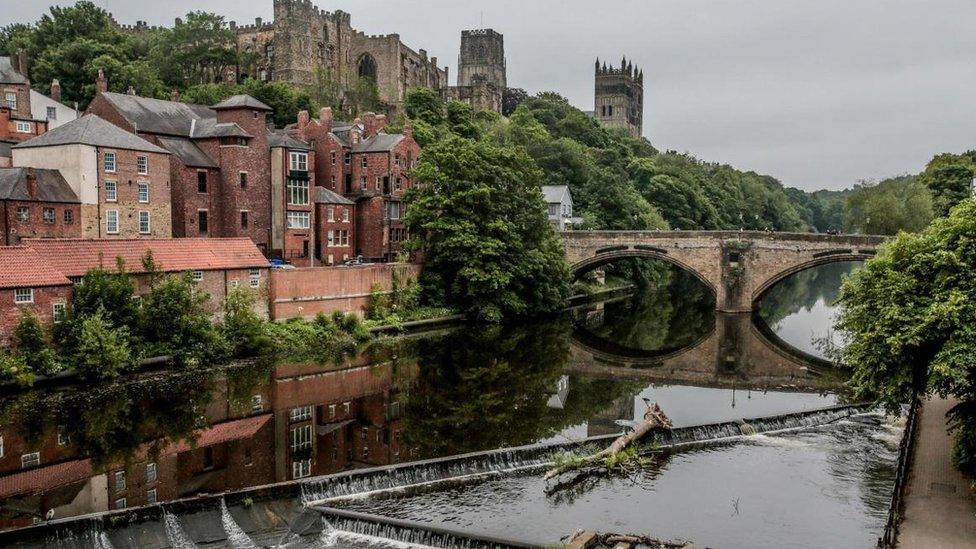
<point x="243" y="219"/>
<point x="396" y="160"/>
<point x="111" y="191"/>
<point x="202" y="221"/>
<point x="120" y="503"/>
<point x="151" y="496"/>
<point x="254" y="278"/>
<point x="10" y="98"/>
<point x="119" y="481"/>
<point x="332" y="181"/>
<point x="63" y="438"/>
<point x="69" y="217"/>
<point x="302" y="413"/>
<point x="112" y="221"/>
<point x="197" y="276"/>
<point x="301" y="468"/>
<point x="299" y="220"/>
<point x="23" y="295"/>
<point x="334" y="157"/>
<point x="301" y="437"/>
<point x="58" y="311"/>
<point x="394" y="210"/>
<point x="201" y="182"/>
<point x="256" y="404"/>
<point x="365" y="161"/>
<point x="52" y="113"/>
<point x="553" y="210"/>
<point x="144" y="226"/>
<point x="343" y="238"/>
<point x="32" y="459"/>
<point x="48" y="216"/>
<point x="23" y="214"/>
<point x="142" y="163"/>
<point x="150" y="472"/>
<point x="397" y="185"/>
<point x="345" y="215"/>
<point x="331" y="239"/>
<point x="110" y="162"/>
<point x="243" y="180"/>
<point x="25" y="127"/>
<point x="346" y="407"/>
<point x="298" y="192"/>
<point x="347" y="159"/>
<point x="298" y="161"/>
<point x="331" y="214"/>
<point x="363" y="184"/>
<point x="233" y="141"/>
<point x="332" y="410"/>
<point x="1" y="446"/>
<point x="208" y="458"/>
<point x="143" y="192"/>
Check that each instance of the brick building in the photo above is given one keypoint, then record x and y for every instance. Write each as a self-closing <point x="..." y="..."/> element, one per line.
<point x="17" y="122"/>
<point x="335" y="218"/>
<point x="293" y="183"/>
<point x="220" y="163"/>
<point x="218" y="265"/>
<point x="122" y="181"/>
<point x="369" y="167"/>
<point x="37" y="203"/>
<point x="29" y="284"/>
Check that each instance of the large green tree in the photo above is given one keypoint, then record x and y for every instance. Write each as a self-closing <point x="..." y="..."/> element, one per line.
<point x="478" y="214"/>
<point x="893" y="205"/>
<point x="950" y="178"/>
<point x="911" y="316"/>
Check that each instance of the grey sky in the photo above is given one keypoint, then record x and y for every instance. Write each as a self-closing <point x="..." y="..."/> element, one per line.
<point x="817" y="93"/>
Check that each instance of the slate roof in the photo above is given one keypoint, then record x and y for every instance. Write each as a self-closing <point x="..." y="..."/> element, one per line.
<point x="555" y="194"/>
<point x="188" y="152"/>
<point x="5" y="151"/>
<point x="7" y="73"/>
<point x="23" y="267"/>
<point x="208" y="127"/>
<point x="379" y="143"/>
<point x="327" y="196"/>
<point x="91" y="130"/>
<point x="75" y="257"/>
<point x="157" y="115"/>
<point x="281" y="140"/>
<point x="241" y="102"/>
<point x="51" y="186"/>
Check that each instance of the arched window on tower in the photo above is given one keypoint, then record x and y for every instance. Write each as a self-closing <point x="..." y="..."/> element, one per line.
<point x="367" y="67"/>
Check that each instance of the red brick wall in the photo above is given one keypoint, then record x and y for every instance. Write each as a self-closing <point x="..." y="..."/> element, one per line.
<point x="255" y="159"/>
<point x="127" y="181"/>
<point x="102" y="108"/>
<point x="14" y="229"/>
<point x="307" y="292"/>
<point x="217" y="284"/>
<point x="325" y="248"/>
<point x="8" y="126"/>
<point x="23" y="99"/>
<point x="296" y="239"/>
<point x="44" y="300"/>
<point x="188" y="200"/>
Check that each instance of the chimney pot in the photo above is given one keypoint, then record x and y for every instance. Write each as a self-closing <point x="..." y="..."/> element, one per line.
<point x="101" y="83"/>
<point x="325" y="118"/>
<point x="303" y="119"/>
<point x="56" y="90"/>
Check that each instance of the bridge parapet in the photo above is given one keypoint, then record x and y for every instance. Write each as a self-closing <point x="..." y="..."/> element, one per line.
<point x="738" y="266"/>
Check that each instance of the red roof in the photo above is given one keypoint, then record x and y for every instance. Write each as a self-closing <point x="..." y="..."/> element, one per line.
<point x="237" y="429"/>
<point x="45" y="479"/>
<point x="75" y="257"/>
<point x="22" y="267"/>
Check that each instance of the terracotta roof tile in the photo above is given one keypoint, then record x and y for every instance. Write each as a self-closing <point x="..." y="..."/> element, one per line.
<point x="22" y="267"/>
<point x="45" y="479"/>
<point x="75" y="257"/>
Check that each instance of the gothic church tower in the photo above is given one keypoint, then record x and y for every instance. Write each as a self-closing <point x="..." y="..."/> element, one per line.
<point x="619" y="97"/>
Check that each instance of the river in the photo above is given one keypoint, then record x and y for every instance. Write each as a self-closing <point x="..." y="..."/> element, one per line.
<point x="142" y="442"/>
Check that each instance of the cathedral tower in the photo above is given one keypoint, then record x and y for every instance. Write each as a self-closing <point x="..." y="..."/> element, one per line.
<point x="482" y="58"/>
<point x="619" y="97"/>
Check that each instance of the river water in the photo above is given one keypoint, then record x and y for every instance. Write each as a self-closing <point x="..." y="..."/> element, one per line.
<point x="80" y="450"/>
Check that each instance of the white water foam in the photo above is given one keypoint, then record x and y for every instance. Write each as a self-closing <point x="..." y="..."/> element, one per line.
<point x="236" y="536"/>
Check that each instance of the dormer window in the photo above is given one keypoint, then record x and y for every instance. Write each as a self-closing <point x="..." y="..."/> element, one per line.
<point x="298" y="161"/>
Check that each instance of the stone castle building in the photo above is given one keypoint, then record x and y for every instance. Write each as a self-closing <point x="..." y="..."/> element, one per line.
<point x="619" y="97"/>
<point x="481" y="70"/>
<point x="306" y="45"/>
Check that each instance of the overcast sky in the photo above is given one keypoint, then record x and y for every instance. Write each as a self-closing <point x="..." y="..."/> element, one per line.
<point x="819" y="93"/>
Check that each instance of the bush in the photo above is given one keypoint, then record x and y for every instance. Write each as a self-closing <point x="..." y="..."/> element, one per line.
<point x="174" y="323"/>
<point x="103" y="350"/>
<point x="32" y="346"/>
<point x="243" y="329"/>
<point x="12" y="368"/>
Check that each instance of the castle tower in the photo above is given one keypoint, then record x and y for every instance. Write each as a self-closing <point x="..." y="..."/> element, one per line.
<point x="482" y="59"/>
<point x="619" y="97"/>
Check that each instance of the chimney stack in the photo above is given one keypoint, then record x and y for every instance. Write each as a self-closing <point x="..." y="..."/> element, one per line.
<point x="101" y="83"/>
<point x="369" y="124"/>
<point x="303" y="120"/>
<point x="56" y="90"/>
<point x="408" y="130"/>
<point x="19" y="61"/>
<point x="380" y="122"/>
<point x="174" y="95"/>
<point x="31" y="183"/>
<point x="355" y="133"/>
<point x="325" y="118"/>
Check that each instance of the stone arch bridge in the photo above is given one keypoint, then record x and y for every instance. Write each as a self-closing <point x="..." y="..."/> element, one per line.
<point x="738" y="266"/>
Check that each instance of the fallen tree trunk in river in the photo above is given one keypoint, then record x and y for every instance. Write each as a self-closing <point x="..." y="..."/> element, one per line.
<point x="654" y="419"/>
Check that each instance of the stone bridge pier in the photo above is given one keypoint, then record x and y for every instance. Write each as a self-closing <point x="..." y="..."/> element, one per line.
<point x="738" y="266"/>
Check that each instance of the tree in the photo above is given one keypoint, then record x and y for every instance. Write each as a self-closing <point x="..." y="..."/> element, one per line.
<point x="682" y="202"/>
<point x="103" y="350"/>
<point x="199" y="49"/>
<point x="911" y="315"/>
<point x="950" y="178"/>
<point x="511" y="99"/>
<point x="173" y="322"/>
<point x="30" y="342"/>
<point x="424" y="104"/>
<point x="478" y="214"/>
<point x="242" y="327"/>
<point x="893" y="205"/>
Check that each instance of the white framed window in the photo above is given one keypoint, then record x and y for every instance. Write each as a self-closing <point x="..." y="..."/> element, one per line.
<point x="109" y="162"/>
<point x="23" y="296"/>
<point x="298" y="191"/>
<point x="301" y="437"/>
<point x="302" y="413"/>
<point x="331" y="215"/>
<point x="256" y="403"/>
<point x="345" y="215"/>
<point x="347" y="159"/>
<point x="298" y="161"/>
<point x="144" y="192"/>
<point x="142" y="163"/>
<point x="151" y="496"/>
<point x="299" y="220"/>
<point x="333" y="156"/>
<point x="197" y="276"/>
<point x="254" y="278"/>
<point x="362" y="183"/>
<point x="111" y="191"/>
<point x="32" y="459"/>
<point x="10" y="98"/>
<point x="58" y="311"/>
<point x="332" y="411"/>
<point x="121" y="503"/>
<point x="346" y="406"/>
<point x="119" y="481"/>
<point x="49" y="216"/>
<point x="151" y="472"/>
<point x="365" y="162"/>
<point x="144" y="225"/>
<point x="396" y="160"/>
<point x="301" y="468"/>
<point x="331" y="239"/>
<point x="25" y="127"/>
<point x="23" y="214"/>
<point x="112" y="221"/>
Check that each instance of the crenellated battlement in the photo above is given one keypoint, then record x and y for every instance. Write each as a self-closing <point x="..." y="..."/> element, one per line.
<point x="627" y="69"/>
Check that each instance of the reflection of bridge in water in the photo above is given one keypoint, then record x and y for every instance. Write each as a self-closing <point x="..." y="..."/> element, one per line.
<point x="736" y="353"/>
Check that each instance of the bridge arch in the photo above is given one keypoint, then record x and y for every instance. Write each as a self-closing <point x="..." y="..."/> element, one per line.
<point x="644" y="252"/>
<point x="847" y="256"/>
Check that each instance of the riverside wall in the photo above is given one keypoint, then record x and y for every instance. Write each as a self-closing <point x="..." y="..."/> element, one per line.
<point x="303" y="293"/>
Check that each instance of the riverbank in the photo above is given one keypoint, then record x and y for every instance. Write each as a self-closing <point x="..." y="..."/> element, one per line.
<point x="939" y="507"/>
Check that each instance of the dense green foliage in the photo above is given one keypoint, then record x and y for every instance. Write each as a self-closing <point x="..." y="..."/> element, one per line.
<point x="911" y="316"/>
<point x="893" y="205"/>
<point x="949" y="177"/>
